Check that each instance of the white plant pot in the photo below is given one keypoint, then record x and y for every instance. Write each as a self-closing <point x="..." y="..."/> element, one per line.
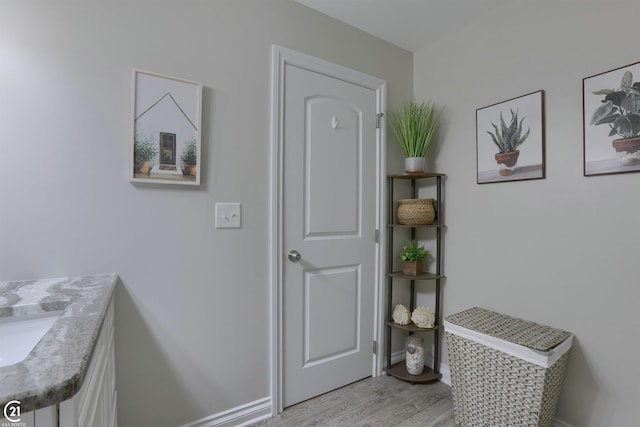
<point x="414" y="164"/>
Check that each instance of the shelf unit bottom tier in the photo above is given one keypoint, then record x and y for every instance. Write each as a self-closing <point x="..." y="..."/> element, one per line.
<point x="399" y="370"/>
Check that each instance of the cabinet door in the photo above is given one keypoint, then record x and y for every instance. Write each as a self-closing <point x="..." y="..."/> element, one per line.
<point x="46" y="417"/>
<point x="93" y="405"/>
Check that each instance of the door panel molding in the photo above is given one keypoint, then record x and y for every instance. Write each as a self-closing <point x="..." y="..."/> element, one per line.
<point x="321" y="350"/>
<point x="281" y="57"/>
<point x="339" y="118"/>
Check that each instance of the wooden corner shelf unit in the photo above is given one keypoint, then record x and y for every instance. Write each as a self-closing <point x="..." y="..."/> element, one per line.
<point x="399" y="370"/>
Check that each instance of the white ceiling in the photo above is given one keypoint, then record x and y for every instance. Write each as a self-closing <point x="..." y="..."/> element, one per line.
<point x="410" y="24"/>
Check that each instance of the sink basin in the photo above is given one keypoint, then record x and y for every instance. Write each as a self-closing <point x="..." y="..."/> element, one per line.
<point x="20" y="334"/>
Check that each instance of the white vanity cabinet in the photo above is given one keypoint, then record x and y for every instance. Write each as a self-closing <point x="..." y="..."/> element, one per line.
<point x="95" y="404"/>
<point x="69" y="375"/>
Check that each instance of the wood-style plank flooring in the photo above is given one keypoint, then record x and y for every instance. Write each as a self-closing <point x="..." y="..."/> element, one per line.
<point x="383" y="401"/>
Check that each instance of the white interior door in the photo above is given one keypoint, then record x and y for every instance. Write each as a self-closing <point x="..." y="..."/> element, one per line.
<point x="329" y="219"/>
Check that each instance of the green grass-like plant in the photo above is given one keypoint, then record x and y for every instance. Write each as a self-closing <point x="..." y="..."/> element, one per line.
<point x="509" y="138"/>
<point x="411" y="252"/>
<point x="413" y="125"/>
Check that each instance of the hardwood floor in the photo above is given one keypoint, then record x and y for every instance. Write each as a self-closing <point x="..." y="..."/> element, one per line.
<point x="377" y="402"/>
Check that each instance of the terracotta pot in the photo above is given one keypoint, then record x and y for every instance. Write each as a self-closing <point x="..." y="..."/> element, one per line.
<point x="630" y="145"/>
<point x="190" y="169"/>
<point x="145" y="168"/>
<point x="509" y="161"/>
<point x="627" y="150"/>
<point x="412" y="268"/>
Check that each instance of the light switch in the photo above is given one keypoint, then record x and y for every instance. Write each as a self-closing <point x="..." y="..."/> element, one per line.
<point x="228" y="215"/>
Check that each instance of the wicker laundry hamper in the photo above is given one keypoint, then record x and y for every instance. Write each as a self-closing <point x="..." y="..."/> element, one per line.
<point x="504" y="371"/>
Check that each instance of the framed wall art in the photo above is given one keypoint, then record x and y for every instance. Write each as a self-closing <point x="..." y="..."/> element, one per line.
<point x="611" y="121"/>
<point x="165" y="146"/>
<point x="510" y="140"/>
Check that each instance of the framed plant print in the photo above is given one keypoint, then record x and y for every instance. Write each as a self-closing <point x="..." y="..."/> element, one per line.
<point x="165" y="145"/>
<point x="510" y="140"/>
<point x="611" y="121"/>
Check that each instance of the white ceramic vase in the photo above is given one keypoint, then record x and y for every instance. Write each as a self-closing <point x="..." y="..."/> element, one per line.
<point x="414" y="164"/>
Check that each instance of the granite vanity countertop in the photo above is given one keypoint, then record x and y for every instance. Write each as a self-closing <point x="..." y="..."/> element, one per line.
<point x="55" y="369"/>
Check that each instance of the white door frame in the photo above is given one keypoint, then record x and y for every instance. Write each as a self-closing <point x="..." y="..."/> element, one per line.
<point x="281" y="57"/>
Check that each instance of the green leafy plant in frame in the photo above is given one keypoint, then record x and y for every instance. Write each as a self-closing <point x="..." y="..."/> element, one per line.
<point x="620" y="108"/>
<point x="509" y="138"/>
<point x="190" y="152"/>
<point x="145" y="150"/>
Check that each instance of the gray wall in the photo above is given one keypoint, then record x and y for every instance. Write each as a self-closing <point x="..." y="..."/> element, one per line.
<point x="563" y="250"/>
<point x="193" y="302"/>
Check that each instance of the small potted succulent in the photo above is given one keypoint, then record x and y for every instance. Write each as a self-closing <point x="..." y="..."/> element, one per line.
<point x="620" y="109"/>
<point x="145" y="151"/>
<point x="508" y="139"/>
<point x="190" y="158"/>
<point x="413" y="125"/>
<point x="412" y="255"/>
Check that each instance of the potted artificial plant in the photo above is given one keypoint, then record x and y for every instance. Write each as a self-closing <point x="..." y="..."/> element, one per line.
<point x="508" y="139"/>
<point x="412" y="255"/>
<point x="620" y="109"/>
<point x="413" y="125"/>
<point x="190" y="158"/>
<point x="145" y="151"/>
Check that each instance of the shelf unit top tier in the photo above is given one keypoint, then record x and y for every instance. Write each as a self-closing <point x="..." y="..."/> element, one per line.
<point x="415" y="175"/>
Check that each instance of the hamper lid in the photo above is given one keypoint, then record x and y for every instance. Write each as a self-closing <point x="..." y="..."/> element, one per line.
<point x="511" y="329"/>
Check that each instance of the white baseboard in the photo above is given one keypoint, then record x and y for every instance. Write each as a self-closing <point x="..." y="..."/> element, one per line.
<point x="243" y="415"/>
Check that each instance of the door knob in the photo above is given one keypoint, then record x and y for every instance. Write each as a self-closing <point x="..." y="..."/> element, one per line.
<point x="294" y="256"/>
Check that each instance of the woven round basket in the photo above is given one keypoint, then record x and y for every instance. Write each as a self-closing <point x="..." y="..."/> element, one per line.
<point x="416" y="211"/>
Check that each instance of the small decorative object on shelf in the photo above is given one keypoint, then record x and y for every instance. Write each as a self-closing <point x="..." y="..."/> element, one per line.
<point x="423" y="317"/>
<point x="412" y="255"/>
<point x="416" y="211"/>
<point x="401" y="315"/>
<point x="415" y="355"/>
<point x="413" y="125"/>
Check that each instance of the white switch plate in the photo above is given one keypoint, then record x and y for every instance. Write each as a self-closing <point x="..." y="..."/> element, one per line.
<point x="228" y="215"/>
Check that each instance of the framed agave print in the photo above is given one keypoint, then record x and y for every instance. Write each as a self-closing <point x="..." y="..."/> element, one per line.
<point x="165" y="145"/>
<point x="611" y="121"/>
<point x="510" y="140"/>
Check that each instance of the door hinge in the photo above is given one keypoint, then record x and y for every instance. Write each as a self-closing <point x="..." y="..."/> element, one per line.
<point x="376" y="236"/>
<point x="379" y="120"/>
<point x="375" y="347"/>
